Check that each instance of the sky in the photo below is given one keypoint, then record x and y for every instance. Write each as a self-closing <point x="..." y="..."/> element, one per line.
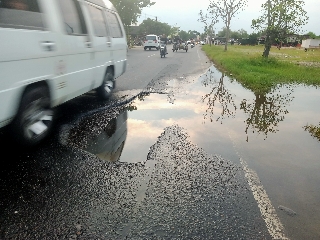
<point x="184" y="14"/>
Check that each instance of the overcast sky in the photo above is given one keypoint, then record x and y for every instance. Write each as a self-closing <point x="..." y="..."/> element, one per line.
<point x="184" y="14"/>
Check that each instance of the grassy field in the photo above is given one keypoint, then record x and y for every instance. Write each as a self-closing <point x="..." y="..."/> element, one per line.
<point x="246" y="64"/>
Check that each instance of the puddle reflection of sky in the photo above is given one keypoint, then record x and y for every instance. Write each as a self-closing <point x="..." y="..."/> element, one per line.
<point x="261" y="122"/>
<point x="223" y="118"/>
<point x="266" y="130"/>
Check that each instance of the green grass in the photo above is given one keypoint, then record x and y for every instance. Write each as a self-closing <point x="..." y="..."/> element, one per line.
<point x="246" y="64"/>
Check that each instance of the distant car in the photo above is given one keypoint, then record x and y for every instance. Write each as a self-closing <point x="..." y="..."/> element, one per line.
<point x="152" y="41"/>
<point x="202" y="42"/>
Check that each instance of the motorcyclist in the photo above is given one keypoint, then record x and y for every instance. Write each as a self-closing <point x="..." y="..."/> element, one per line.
<point x="177" y="40"/>
<point x="165" y="40"/>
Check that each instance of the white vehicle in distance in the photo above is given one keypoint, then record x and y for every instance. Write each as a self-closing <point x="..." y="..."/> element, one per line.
<point x="151" y="41"/>
<point x="53" y="51"/>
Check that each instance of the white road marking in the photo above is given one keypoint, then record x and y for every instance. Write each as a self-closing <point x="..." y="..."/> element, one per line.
<point x="275" y="227"/>
<point x="268" y="212"/>
<point x="152" y="55"/>
<point x="202" y="65"/>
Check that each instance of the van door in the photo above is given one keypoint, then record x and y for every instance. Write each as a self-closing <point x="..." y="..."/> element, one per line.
<point x="118" y="42"/>
<point x="77" y="49"/>
<point x="27" y="52"/>
<point x="100" y="42"/>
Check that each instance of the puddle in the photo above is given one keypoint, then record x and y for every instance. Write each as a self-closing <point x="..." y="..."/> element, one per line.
<point x="155" y="177"/>
<point x="270" y="131"/>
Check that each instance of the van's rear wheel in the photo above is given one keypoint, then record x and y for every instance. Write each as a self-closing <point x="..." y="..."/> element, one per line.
<point x="34" y="120"/>
<point x="107" y="86"/>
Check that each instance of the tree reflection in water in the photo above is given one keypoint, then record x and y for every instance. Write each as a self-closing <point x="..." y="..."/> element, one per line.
<point x="313" y="130"/>
<point x="267" y="110"/>
<point x="218" y="94"/>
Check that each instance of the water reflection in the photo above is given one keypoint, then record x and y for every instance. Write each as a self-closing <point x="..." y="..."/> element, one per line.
<point x="219" y="94"/>
<point x="267" y="110"/>
<point x="102" y="134"/>
<point x="108" y="145"/>
<point x="313" y="130"/>
<point x="263" y="113"/>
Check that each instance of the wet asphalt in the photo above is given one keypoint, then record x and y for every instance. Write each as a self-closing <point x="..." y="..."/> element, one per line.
<point x="128" y="168"/>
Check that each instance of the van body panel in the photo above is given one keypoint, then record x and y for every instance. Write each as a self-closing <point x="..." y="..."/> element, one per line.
<point x="118" y="41"/>
<point x="7" y="111"/>
<point x="42" y="49"/>
<point x="102" y="48"/>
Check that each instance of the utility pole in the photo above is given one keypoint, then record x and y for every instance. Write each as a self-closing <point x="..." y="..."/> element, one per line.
<point x="156" y="19"/>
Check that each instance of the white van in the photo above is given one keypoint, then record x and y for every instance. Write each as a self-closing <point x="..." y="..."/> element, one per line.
<point x="52" y="51"/>
<point x="151" y="41"/>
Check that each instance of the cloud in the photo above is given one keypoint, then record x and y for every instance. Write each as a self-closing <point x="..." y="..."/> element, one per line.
<point x="185" y="14"/>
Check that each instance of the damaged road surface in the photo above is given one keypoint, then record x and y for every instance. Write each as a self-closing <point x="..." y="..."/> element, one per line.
<point x="170" y="156"/>
<point x="178" y="191"/>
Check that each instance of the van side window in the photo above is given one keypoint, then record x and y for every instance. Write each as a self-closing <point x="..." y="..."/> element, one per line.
<point x="114" y="25"/>
<point x="98" y="21"/>
<point x="21" y="14"/>
<point x="73" y="17"/>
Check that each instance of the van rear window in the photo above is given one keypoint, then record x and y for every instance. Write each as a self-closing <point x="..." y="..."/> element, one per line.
<point x="151" y="37"/>
<point x="22" y="14"/>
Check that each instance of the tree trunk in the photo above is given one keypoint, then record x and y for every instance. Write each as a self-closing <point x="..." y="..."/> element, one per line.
<point x="227" y="39"/>
<point x="267" y="43"/>
<point x="267" y="46"/>
<point x="227" y="34"/>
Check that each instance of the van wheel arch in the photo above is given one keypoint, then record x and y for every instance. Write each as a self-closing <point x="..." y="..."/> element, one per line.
<point x="108" y="84"/>
<point x="34" y="119"/>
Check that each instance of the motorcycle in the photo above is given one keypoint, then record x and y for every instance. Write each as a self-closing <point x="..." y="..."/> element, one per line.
<point x="178" y="46"/>
<point x="175" y="46"/>
<point x="162" y="49"/>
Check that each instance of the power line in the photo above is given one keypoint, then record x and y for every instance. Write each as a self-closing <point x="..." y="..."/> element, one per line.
<point x="149" y="15"/>
<point x="145" y="14"/>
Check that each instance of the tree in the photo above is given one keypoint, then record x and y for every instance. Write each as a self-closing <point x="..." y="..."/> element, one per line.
<point x="209" y="19"/>
<point x="223" y="32"/>
<point x="150" y="26"/>
<point x="174" y="31"/>
<point x="312" y="35"/>
<point x="184" y="35"/>
<point x="253" y="38"/>
<point x="242" y="33"/>
<point x="226" y="10"/>
<point x="279" y="18"/>
<point x="130" y="10"/>
<point x="193" y="34"/>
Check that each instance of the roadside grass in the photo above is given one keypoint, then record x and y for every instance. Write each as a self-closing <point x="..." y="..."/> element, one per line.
<point x="246" y="64"/>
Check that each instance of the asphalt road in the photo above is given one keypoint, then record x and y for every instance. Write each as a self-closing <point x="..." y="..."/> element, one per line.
<point x="80" y="183"/>
<point x="145" y="66"/>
